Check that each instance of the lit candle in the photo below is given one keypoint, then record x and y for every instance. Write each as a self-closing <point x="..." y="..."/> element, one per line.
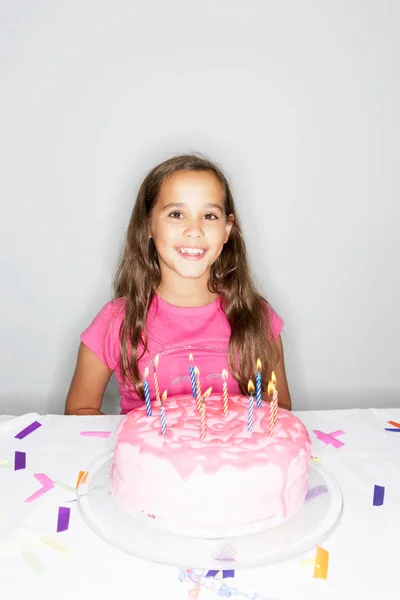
<point x="250" y="389"/>
<point x="198" y="387"/>
<point x="192" y="376"/>
<point x="258" y="383"/>
<point x="147" y="392"/>
<point x="155" y="365"/>
<point x="203" y="414"/>
<point x="225" y="391"/>
<point x="162" y="413"/>
<point x="273" y="405"/>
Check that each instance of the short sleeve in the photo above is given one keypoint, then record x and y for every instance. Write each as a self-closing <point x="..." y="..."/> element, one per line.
<point x="276" y="323"/>
<point x="102" y="335"/>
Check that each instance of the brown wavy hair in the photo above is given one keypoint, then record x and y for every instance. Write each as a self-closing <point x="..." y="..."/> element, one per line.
<point x="138" y="277"/>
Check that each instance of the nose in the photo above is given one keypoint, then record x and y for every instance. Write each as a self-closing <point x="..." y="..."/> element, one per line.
<point x="194" y="228"/>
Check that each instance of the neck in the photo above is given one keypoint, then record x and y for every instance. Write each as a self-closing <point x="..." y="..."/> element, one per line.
<point x="190" y="294"/>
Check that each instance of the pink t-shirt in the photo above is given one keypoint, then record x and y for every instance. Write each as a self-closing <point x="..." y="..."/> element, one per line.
<point x="174" y="332"/>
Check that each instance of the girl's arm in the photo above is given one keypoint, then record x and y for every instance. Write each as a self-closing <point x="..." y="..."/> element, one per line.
<point x="284" y="400"/>
<point x="88" y="384"/>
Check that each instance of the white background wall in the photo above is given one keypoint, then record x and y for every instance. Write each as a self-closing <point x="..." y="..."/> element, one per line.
<point x="297" y="100"/>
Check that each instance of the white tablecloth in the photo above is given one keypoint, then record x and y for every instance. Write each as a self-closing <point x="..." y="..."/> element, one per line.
<point x="37" y="562"/>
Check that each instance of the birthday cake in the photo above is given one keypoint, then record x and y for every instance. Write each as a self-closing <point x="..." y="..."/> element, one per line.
<point x="228" y="481"/>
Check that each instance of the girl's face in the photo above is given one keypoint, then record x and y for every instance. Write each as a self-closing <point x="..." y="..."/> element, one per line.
<point x="189" y="226"/>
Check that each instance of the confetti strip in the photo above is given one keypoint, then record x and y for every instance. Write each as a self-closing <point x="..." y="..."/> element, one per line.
<point x="316" y="458"/>
<point x="82" y="478"/>
<point x="32" y="427"/>
<point x="5" y="464"/>
<point x="315" y="491"/>
<point x="65" y="486"/>
<point x="33" y="561"/>
<point x="61" y="548"/>
<point x="394" y="424"/>
<point x="47" y="485"/>
<point x="329" y="438"/>
<point x="321" y="564"/>
<point x="379" y="494"/>
<point x="388" y="429"/>
<point x="98" y="434"/>
<point x="308" y="561"/>
<point x="63" y="518"/>
<point x="4" y="461"/>
<point x="19" y="461"/>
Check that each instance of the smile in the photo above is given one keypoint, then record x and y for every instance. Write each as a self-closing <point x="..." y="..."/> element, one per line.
<point x="190" y="251"/>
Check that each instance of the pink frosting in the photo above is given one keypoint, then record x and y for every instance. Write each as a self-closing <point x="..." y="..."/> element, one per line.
<point x="211" y="483"/>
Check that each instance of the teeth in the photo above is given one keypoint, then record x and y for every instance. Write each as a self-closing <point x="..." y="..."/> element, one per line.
<point x="191" y="251"/>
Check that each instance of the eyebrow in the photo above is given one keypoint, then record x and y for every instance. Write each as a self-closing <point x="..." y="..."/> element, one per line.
<point x="182" y="205"/>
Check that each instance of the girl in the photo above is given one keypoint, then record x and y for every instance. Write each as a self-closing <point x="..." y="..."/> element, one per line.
<point x="183" y="287"/>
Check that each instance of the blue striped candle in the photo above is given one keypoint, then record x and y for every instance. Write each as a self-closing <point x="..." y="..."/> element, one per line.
<point x="250" y="389"/>
<point x="147" y="393"/>
<point x="162" y="413"/>
<point x="258" y="384"/>
<point x="192" y="377"/>
<point x="250" y="417"/>
<point x="163" y="424"/>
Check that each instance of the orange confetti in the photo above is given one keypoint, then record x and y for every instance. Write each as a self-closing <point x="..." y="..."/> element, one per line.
<point x="321" y="563"/>
<point x="82" y="478"/>
<point x="394" y="424"/>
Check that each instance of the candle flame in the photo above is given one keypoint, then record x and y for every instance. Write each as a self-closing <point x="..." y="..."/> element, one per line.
<point x="270" y="389"/>
<point x="259" y="365"/>
<point x="225" y="374"/>
<point x="157" y="358"/>
<point x="207" y="393"/>
<point x="273" y="378"/>
<point x="191" y="357"/>
<point x="197" y="372"/>
<point x="146" y="373"/>
<point x="164" y="396"/>
<point x="250" y="386"/>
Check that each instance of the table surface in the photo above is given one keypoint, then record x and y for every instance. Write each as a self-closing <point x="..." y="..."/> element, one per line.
<point x="37" y="562"/>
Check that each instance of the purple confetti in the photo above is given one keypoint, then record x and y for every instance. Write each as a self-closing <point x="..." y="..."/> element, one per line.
<point x="19" y="460"/>
<point x="315" y="491"/>
<point x="32" y="427"/>
<point x="379" y="494"/>
<point x="390" y="429"/>
<point x="229" y="573"/>
<point x="63" y="518"/>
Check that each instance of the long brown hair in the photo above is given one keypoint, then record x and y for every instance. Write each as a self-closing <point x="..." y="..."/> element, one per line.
<point x="138" y="277"/>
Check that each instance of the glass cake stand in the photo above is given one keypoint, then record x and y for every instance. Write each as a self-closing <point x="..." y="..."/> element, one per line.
<point x="139" y="535"/>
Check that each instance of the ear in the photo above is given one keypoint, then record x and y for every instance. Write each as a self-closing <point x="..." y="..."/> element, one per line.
<point x="228" y="227"/>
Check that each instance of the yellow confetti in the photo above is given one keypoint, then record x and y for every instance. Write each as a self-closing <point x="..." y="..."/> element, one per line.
<point x="4" y="461"/>
<point x="316" y="459"/>
<point x="82" y="478"/>
<point x="33" y="561"/>
<point x="62" y="548"/>
<point x="321" y="563"/>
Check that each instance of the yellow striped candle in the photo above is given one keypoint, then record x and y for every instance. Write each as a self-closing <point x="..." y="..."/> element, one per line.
<point x="198" y="388"/>
<point x="203" y="414"/>
<point x="225" y="391"/>
<point x="156" y="386"/>
<point x="273" y="405"/>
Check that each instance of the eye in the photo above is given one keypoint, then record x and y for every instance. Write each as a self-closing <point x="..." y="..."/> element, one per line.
<point x="210" y="216"/>
<point x="176" y="214"/>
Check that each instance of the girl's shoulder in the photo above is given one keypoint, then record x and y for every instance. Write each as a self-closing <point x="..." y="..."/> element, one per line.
<point x="276" y="322"/>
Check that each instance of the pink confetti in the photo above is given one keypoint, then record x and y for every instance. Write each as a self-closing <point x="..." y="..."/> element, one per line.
<point x="99" y="434"/>
<point x="47" y="485"/>
<point x="329" y="438"/>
